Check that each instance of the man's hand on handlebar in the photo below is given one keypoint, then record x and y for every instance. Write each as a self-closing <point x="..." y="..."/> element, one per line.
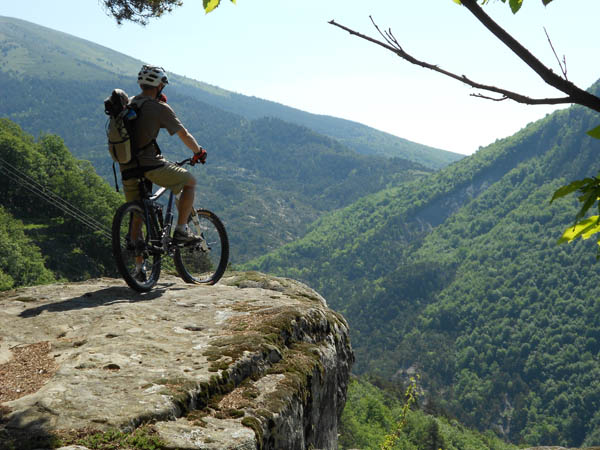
<point x="199" y="157"/>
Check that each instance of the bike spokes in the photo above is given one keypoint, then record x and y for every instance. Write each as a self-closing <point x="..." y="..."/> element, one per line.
<point x="205" y="260"/>
<point x="139" y="266"/>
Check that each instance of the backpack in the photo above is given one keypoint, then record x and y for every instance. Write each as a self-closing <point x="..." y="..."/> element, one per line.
<point x="120" y="128"/>
<point x="122" y="115"/>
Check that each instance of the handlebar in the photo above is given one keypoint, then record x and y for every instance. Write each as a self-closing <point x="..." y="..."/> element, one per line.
<point x="199" y="157"/>
<point x="183" y="162"/>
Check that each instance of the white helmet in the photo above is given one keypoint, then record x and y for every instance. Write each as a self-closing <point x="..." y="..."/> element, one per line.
<point x="152" y="76"/>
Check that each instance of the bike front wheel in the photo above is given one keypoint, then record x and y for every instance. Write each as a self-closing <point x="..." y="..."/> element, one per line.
<point x="139" y="267"/>
<point x="205" y="261"/>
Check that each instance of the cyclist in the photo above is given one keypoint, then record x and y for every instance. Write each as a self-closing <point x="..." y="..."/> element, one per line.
<point x="155" y="114"/>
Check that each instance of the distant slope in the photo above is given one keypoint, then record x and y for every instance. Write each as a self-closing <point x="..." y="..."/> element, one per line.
<point x="30" y="50"/>
<point x="267" y="178"/>
<point x="459" y="277"/>
<point x="356" y="136"/>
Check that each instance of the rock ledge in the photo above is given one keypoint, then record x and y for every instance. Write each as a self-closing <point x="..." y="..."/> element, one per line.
<point x="255" y="362"/>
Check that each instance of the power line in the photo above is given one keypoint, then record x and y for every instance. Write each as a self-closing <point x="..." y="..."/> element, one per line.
<point x="43" y="192"/>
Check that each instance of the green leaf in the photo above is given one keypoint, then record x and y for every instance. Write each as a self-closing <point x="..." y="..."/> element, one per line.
<point x="545" y="2"/>
<point x="591" y="231"/>
<point x="515" y="5"/>
<point x="571" y="187"/>
<point x="210" y="5"/>
<point x="589" y="199"/>
<point x="595" y="133"/>
<point x="457" y="1"/>
<point x="585" y="228"/>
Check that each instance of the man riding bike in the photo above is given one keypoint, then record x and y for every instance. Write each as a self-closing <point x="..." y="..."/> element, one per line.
<point x="155" y="114"/>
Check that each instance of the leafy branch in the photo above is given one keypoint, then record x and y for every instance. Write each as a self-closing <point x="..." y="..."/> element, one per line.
<point x="140" y="11"/>
<point x="411" y="397"/>
<point x="589" y="193"/>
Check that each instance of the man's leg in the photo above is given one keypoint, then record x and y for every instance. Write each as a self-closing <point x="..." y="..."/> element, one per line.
<point x="179" y="180"/>
<point x="186" y="201"/>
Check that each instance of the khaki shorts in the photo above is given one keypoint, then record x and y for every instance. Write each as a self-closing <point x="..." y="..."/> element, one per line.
<point x="169" y="176"/>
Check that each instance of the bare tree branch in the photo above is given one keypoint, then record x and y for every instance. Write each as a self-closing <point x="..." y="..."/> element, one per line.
<point x="574" y="93"/>
<point x="577" y="94"/>
<point x="563" y="68"/>
<point x="392" y="45"/>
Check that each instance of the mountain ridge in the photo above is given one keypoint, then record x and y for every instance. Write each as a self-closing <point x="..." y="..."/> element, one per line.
<point x="72" y="64"/>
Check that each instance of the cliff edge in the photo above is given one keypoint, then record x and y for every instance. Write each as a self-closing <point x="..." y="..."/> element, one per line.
<point x="255" y="362"/>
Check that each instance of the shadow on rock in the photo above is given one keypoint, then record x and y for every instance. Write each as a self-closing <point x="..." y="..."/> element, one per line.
<point x="102" y="297"/>
<point x="20" y="436"/>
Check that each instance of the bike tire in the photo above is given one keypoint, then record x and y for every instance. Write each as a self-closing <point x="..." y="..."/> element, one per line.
<point x="128" y="252"/>
<point x="203" y="262"/>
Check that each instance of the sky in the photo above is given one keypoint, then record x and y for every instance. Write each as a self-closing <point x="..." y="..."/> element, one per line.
<point x="285" y="51"/>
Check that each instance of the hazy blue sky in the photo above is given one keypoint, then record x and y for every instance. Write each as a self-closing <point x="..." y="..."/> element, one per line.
<point x="286" y="51"/>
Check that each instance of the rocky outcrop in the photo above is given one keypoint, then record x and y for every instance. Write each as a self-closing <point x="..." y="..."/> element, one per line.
<point x="255" y="362"/>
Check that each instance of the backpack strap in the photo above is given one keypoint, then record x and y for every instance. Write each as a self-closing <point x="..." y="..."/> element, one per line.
<point x="139" y="171"/>
<point x="115" y="174"/>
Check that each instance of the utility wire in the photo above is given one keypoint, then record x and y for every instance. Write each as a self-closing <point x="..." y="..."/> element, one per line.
<point x="43" y="192"/>
<point x="39" y="190"/>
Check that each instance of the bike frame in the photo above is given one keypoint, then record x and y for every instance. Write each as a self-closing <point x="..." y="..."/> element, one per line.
<point x="159" y="230"/>
<point x="141" y="235"/>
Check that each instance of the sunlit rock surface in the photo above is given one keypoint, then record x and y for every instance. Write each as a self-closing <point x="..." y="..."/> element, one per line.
<point x="253" y="362"/>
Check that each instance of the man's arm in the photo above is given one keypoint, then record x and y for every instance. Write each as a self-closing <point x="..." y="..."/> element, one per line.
<point x="189" y="140"/>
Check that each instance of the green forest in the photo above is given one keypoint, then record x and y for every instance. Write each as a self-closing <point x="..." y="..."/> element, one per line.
<point x="41" y="243"/>
<point x="375" y="409"/>
<point x="459" y="276"/>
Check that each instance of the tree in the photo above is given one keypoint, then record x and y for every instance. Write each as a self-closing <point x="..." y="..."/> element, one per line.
<point x="139" y="11"/>
<point x="574" y="94"/>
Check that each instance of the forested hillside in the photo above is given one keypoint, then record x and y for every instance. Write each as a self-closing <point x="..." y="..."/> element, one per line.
<point x="45" y="243"/>
<point x="459" y="277"/>
<point x="267" y="178"/>
<point x="375" y="409"/>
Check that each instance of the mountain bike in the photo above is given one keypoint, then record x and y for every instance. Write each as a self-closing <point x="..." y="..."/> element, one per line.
<point x="141" y="236"/>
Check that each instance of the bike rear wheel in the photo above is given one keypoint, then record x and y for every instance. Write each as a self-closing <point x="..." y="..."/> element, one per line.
<point x="203" y="262"/>
<point x="139" y="267"/>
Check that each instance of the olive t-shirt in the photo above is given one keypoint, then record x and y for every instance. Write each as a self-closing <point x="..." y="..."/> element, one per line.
<point x="153" y="116"/>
